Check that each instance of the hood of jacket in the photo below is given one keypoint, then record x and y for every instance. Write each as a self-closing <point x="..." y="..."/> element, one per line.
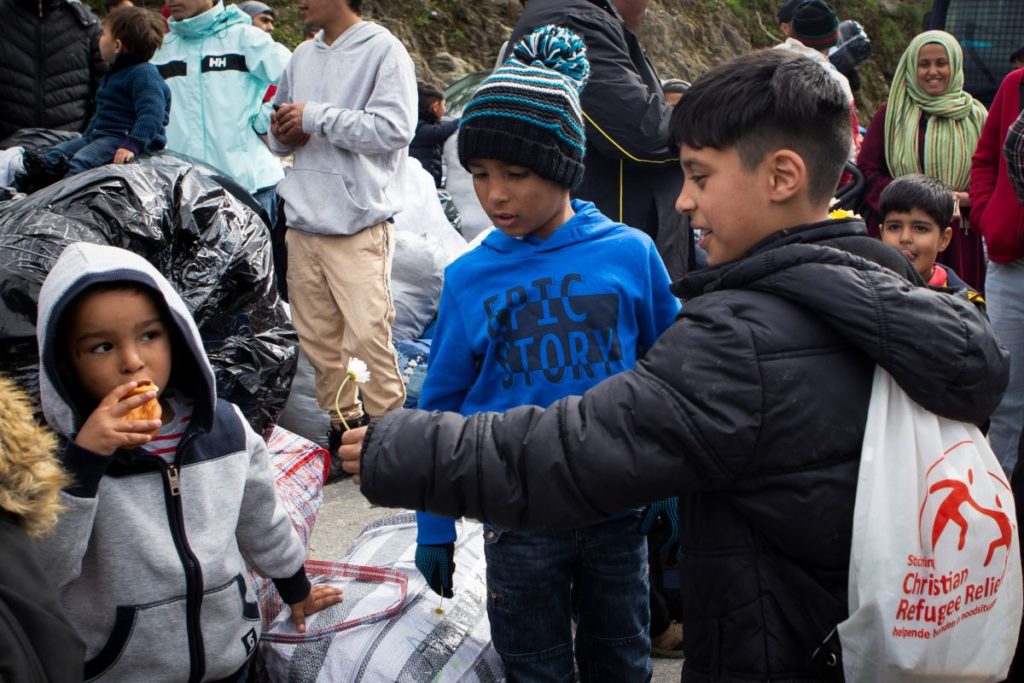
<point x="82" y="265"/>
<point x="30" y="472"/>
<point x="932" y="360"/>
<point x="352" y="39"/>
<point x="588" y="224"/>
<point x="210" y="22"/>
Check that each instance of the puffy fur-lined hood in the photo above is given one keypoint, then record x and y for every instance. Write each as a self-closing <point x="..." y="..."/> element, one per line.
<point x="30" y="473"/>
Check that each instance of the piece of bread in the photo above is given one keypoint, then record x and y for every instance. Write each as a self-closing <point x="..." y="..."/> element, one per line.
<point x="150" y="410"/>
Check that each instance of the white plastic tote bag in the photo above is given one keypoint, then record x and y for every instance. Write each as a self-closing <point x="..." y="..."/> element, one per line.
<point x="935" y="574"/>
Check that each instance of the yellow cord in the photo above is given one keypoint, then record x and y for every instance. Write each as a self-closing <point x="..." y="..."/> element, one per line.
<point x="620" y="148"/>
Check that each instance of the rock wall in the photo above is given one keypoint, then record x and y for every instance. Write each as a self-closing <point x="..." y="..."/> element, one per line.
<point x="449" y="39"/>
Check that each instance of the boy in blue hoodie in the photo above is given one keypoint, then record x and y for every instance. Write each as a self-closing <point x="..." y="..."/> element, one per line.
<point x="162" y="514"/>
<point x="133" y="102"/>
<point x="556" y="299"/>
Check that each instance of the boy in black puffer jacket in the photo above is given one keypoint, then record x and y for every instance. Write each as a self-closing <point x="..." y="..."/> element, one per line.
<point x="751" y="407"/>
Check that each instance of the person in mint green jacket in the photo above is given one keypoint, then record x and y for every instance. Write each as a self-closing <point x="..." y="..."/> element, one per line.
<point x="218" y="67"/>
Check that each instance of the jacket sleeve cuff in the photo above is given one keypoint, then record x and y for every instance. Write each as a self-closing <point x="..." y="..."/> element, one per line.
<point x="86" y="469"/>
<point x="295" y="588"/>
<point x="310" y="113"/>
<point x="132" y="145"/>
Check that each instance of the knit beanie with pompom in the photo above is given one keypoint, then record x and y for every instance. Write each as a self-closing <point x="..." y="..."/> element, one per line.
<point x="528" y="111"/>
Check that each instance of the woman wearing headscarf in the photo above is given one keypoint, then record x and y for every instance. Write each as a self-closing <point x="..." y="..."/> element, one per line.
<point x="931" y="126"/>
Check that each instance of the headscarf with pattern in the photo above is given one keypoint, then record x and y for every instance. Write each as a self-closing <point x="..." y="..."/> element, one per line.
<point x="954" y="122"/>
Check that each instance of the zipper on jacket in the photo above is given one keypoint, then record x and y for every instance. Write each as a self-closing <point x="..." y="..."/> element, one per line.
<point x="172" y="480"/>
<point x="193" y="571"/>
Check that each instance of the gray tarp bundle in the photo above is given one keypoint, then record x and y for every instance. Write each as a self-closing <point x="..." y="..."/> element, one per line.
<point x="183" y="219"/>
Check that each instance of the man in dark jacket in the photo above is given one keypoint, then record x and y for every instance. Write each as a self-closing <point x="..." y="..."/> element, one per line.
<point x="631" y="174"/>
<point x="751" y="407"/>
<point x="52" y="66"/>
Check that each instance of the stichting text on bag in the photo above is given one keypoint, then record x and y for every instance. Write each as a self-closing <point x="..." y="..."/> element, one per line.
<point x="935" y="572"/>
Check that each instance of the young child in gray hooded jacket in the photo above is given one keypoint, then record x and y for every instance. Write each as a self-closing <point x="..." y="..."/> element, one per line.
<point x="148" y="556"/>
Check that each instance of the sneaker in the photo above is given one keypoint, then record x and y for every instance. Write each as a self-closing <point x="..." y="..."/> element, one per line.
<point x="334" y="443"/>
<point x="670" y="643"/>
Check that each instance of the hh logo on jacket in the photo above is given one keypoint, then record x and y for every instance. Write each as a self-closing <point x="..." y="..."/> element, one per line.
<point x="542" y="329"/>
<point x="228" y="62"/>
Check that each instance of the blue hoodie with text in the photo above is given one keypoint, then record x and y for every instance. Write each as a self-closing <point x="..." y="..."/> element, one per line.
<point x="529" y="321"/>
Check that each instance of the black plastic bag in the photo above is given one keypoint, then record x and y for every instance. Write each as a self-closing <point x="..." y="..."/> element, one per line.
<point x="451" y="211"/>
<point x="38" y="138"/>
<point x="182" y="218"/>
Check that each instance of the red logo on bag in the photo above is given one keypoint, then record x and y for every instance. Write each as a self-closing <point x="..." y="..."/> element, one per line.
<point x="943" y="585"/>
<point x="958" y="494"/>
<point x="949" y="511"/>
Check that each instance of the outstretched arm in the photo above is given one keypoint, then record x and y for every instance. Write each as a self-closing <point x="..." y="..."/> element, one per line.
<point x="636" y="437"/>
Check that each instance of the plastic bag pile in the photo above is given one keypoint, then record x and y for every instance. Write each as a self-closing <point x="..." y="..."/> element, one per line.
<point x="197" y="228"/>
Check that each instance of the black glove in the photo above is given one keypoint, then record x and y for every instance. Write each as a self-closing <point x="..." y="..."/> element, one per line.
<point x="437" y="565"/>
<point x="666" y="510"/>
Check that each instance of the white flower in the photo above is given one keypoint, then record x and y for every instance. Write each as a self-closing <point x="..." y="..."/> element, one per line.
<point x="357" y="371"/>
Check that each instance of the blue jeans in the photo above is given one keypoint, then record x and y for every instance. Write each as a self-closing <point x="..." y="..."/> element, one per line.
<point x="537" y="581"/>
<point x="267" y="198"/>
<point x="84" y="153"/>
<point x="1004" y="293"/>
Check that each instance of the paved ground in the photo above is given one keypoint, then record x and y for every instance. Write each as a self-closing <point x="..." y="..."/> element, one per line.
<point x="345" y="512"/>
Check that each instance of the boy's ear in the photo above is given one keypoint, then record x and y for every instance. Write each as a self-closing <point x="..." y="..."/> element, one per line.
<point x="787" y="174"/>
<point x="118" y="46"/>
<point x="945" y="237"/>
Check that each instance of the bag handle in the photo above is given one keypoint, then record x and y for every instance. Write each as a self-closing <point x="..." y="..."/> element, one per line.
<point x="341" y="570"/>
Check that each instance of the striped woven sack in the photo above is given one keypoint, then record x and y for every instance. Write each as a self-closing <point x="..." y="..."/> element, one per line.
<point x="366" y="639"/>
<point x="300" y="469"/>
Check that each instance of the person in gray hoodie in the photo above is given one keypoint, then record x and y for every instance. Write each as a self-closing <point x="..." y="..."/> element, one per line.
<point x="162" y="514"/>
<point x="347" y="108"/>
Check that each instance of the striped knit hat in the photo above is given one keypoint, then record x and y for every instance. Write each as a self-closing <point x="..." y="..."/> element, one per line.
<point x="528" y="111"/>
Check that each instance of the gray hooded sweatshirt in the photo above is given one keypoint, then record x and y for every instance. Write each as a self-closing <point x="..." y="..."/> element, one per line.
<point x="360" y="114"/>
<point x="148" y="556"/>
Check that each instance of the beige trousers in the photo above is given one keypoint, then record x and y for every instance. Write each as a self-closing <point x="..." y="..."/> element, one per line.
<point x="340" y="292"/>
